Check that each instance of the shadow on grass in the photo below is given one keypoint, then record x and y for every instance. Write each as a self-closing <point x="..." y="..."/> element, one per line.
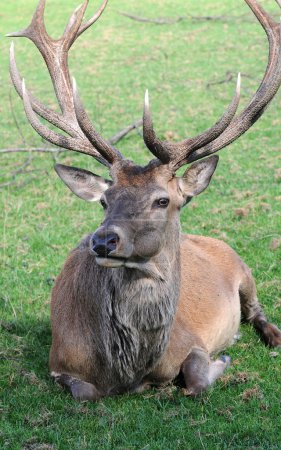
<point x="27" y="343"/>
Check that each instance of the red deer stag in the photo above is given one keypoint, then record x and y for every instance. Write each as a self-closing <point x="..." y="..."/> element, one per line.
<point x="137" y="303"/>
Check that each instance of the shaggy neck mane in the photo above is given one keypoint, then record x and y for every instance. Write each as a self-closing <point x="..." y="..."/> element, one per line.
<point x="132" y="315"/>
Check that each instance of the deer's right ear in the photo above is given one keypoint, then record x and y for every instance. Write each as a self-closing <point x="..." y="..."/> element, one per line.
<point x="83" y="183"/>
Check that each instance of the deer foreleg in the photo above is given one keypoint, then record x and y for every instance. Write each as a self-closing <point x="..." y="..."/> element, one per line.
<point x="200" y="371"/>
<point x="80" y="390"/>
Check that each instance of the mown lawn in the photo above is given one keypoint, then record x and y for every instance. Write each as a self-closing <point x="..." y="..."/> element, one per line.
<point x="114" y="63"/>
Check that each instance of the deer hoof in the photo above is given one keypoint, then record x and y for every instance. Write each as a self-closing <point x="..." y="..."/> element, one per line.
<point x="80" y="390"/>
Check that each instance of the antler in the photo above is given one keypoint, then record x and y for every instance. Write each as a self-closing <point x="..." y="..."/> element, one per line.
<point x="227" y="129"/>
<point x="82" y="136"/>
<point x="55" y="54"/>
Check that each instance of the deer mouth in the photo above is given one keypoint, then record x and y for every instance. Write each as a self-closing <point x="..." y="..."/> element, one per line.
<point x="115" y="262"/>
<point x="111" y="262"/>
<point x="147" y="267"/>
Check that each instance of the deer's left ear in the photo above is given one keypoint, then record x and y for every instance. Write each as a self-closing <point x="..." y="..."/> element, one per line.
<point x="198" y="176"/>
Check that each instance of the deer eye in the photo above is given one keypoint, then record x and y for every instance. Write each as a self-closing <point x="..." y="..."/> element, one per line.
<point x="162" y="202"/>
<point x="103" y="204"/>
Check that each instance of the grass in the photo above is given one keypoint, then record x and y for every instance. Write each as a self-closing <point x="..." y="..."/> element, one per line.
<point x="114" y="62"/>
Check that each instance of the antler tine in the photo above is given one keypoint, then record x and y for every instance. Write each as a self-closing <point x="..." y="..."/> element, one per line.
<point x="48" y="114"/>
<point x="37" y="22"/>
<point x="266" y="91"/>
<point x="150" y="139"/>
<point x="53" y="137"/>
<point x="55" y="54"/>
<point x="109" y="152"/>
<point x="91" y="21"/>
<point x="173" y="153"/>
<point x="71" y="31"/>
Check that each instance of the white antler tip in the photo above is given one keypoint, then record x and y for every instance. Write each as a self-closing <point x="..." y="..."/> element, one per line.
<point x="146" y="98"/>
<point x="238" y="82"/>
<point x="23" y="86"/>
<point x="74" y="85"/>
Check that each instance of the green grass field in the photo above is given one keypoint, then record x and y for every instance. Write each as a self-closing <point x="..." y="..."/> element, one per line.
<point x="114" y="62"/>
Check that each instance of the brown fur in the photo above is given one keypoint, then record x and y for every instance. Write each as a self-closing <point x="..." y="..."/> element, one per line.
<point x="162" y="304"/>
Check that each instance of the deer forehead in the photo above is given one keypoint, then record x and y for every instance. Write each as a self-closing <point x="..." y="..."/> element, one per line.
<point x="127" y="174"/>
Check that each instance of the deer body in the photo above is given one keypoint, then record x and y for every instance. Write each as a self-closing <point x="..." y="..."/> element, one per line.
<point x="125" y="328"/>
<point x="137" y="303"/>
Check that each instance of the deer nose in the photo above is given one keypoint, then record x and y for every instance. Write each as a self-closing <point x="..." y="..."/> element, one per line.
<point x="104" y="245"/>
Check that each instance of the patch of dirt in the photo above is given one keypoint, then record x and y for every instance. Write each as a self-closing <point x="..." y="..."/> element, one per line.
<point x="252" y="393"/>
<point x="242" y="212"/>
<point x="275" y="243"/>
<point x="31" y="377"/>
<point x="265" y="207"/>
<point x="226" y="412"/>
<point x="239" y="195"/>
<point x="277" y="174"/>
<point x="37" y="446"/>
<point x="239" y="378"/>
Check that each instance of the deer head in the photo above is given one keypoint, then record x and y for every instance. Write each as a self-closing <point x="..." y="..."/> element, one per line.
<point x="141" y="204"/>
